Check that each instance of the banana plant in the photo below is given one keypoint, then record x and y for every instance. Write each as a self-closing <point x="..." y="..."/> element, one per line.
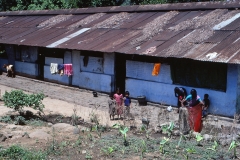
<point x="233" y="146"/>
<point x="214" y="146"/>
<point x="124" y="133"/>
<point x="162" y="144"/>
<point x="168" y="128"/>
<point x="199" y="138"/>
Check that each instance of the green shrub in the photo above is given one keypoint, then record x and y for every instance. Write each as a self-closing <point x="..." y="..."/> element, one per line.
<point x="6" y="119"/>
<point x="18" y="152"/>
<point x="17" y="100"/>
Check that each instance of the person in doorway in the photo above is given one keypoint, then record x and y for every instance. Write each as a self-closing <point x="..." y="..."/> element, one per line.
<point x="127" y="104"/>
<point x="10" y="70"/>
<point x="119" y="102"/>
<point x="206" y="103"/>
<point x="112" y="106"/>
<point x="180" y="93"/>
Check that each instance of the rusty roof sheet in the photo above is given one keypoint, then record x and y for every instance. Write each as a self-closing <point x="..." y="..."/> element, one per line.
<point x="83" y="40"/>
<point x="206" y="31"/>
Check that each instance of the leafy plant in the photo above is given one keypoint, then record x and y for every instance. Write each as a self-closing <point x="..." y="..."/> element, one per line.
<point x="108" y="151"/>
<point x="143" y="147"/>
<point x="199" y="138"/>
<point x="233" y="146"/>
<point x="168" y="128"/>
<point x="180" y="140"/>
<point x="163" y="142"/>
<point x="6" y="119"/>
<point x="88" y="156"/>
<point x="16" y="152"/>
<point x="214" y="146"/>
<point x="19" y="120"/>
<point x="143" y="128"/>
<point x="74" y="117"/>
<point x="17" y="100"/>
<point x="190" y="150"/>
<point x="118" y="126"/>
<point x="124" y="133"/>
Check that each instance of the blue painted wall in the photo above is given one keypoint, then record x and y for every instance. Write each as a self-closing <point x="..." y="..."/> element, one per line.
<point x="143" y="71"/>
<point x="2" y="62"/>
<point x="97" y="82"/>
<point x="238" y="90"/>
<point x="26" y="68"/>
<point x="76" y="67"/>
<point x="222" y="103"/>
<point x="26" y="65"/>
<point x="95" y="65"/>
<point x="56" y="77"/>
<point x="109" y="63"/>
<point x="98" y="75"/>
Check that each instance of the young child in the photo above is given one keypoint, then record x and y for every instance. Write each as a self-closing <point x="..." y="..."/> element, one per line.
<point x="206" y="103"/>
<point x="112" y="106"/>
<point x="127" y="104"/>
<point x="119" y="101"/>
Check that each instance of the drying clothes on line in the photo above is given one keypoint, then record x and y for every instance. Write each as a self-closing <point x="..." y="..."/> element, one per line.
<point x="61" y="69"/>
<point x="156" y="69"/>
<point x="53" y="68"/>
<point x="60" y="66"/>
<point x="68" y="69"/>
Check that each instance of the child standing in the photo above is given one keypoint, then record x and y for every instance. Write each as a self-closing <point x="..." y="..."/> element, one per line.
<point x="127" y="104"/>
<point x="206" y="103"/>
<point x="119" y="102"/>
<point x="112" y="106"/>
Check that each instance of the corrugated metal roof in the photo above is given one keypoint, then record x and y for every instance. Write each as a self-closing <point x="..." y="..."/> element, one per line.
<point x="207" y="31"/>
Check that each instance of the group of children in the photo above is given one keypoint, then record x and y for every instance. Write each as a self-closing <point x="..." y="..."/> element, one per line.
<point x="192" y="99"/>
<point x="119" y="105"/>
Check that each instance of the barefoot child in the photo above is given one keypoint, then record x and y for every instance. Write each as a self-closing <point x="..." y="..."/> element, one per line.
<point x="112" y="106"/>
<point x="119" y="100"/>
<point x="127" y="104"/>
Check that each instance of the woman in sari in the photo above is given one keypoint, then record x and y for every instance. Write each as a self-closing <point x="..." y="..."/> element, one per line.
<point x="194" y="110"/>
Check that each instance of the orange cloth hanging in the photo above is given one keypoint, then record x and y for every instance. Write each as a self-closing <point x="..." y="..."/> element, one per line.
<point x="156" y="69"/>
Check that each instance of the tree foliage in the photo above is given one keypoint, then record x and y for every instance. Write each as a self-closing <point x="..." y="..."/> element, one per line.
<point x="14" y="5"/>
<point x="17" y="100"/>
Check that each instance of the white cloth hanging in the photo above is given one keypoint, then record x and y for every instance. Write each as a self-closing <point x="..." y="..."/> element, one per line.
<point x="54" y="68"/>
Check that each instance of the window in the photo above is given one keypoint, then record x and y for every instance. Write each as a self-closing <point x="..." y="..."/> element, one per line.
<point x="199" y="74"/>
<point x="3" y="53"/>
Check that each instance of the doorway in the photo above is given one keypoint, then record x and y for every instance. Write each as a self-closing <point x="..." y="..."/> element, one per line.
<point x="41" y="63"/>
<point x="120" y="71"/>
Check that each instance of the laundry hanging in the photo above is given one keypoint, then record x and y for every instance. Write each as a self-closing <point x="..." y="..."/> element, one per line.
<point x="156" y="69"/>
<point x="61" y="69"/>
<point x="68" y="69"/>
<point x="53" y="68"/>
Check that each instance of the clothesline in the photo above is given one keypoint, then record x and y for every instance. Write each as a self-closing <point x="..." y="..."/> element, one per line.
<point x="61" y="69"/>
